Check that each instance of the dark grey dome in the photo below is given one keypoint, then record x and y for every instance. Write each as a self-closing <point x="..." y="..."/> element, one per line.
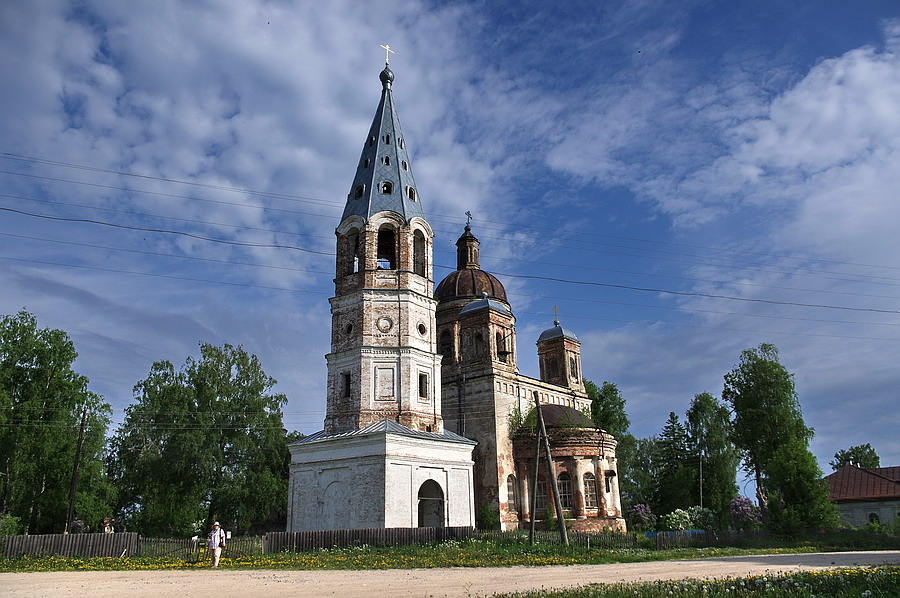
<point x="556" y="332"/>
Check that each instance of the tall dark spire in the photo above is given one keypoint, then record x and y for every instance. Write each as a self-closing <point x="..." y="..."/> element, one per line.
<point x="384" y="179"/>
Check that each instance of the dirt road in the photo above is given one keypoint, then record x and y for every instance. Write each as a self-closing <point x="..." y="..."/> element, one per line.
<point x="456" y="583"/>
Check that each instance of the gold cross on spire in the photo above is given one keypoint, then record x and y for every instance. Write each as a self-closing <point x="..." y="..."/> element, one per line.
<point x="387" y="53"/>
<point x="556" y="315"/>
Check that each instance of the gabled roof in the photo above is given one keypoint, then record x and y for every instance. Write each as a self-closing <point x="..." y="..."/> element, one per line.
<point x="387" y="426"/>
<point x="852" y="483"/>
<point x="384" y="159"/>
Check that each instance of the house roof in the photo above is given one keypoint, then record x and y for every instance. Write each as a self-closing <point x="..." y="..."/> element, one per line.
<point x="852" y="483"/>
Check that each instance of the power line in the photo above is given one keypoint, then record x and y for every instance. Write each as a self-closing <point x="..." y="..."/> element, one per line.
<point x="305" y="199"/>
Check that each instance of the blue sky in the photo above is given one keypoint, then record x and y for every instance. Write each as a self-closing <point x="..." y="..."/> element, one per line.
<point x="708" y="179"/>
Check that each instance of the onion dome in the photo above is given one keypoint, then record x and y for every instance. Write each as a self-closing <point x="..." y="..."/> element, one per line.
<point x="557" y="332"/>
<point x="469" y="280"/>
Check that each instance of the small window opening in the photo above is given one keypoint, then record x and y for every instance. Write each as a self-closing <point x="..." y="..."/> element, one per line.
<point x="387" y="138"/>
<point x="402" y="145"/>
<point x="366" y="163"/>
<point x="565" y="490"/>
<point x="422" y="329"/>
<point x="573" y="367"/>
<point x="540" y="497"/>
<point x="552" y="368"/>
<point x="590" y="491"/>
<point x="502" y="353"/>
<point x="359" y="191"/>
<point x="411" y="193"/>
<point x="609" y="478"/>
<point x="479" y="345"/>
<point x="387" y="188"/>
<point x="511" y="500"/>
<point x="386" y="160"/>
<point x="446" y="346"/>
<point x="405" y="165"/>
<point x="387" y="249"/>
<point x="419" y="253"/>
<point x="372" y="140"/>
<point x="348" y="328"/>
<point x="423" y="386"/>
<point x="345" y="384"/>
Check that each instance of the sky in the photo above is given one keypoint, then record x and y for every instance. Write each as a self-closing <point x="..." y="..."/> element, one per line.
<point x="681" y="184"/>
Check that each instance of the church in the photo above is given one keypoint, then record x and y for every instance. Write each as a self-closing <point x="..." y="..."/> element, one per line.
<point x="428" y="421"/>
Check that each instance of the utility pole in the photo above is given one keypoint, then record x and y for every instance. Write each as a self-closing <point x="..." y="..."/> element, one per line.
<point x="73" y="486"/>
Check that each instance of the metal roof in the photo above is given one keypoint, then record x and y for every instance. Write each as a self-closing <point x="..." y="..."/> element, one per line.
<point x="387" y="426"/>
<point x="384" y="160"/>
<point x="556" y="332"/>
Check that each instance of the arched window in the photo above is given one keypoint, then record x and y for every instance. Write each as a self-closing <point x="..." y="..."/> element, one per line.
<point x="387" y="188"/>
<point x="387" y="248"/>
<point x="590" y="491"/>
<point x="359" y="191"/>
<point x="405" y="165"/>
<point x="500" y="341"/>
<point x="386" y="160"/>
<point x="431" y="505"/>
<point x="372" y="140"/>
<point x="366" y="163"/>
<point x="402" y="145"/>
<point x="348" y="253"/>
<point x="419" y="253"/>
<point x="512" y="501"/>
<point x="387" y="138"/>
<point x="411" y="193"/>
<point x="446" y="346"/>
<point x="573" y="367"/>
<point x="565" y="490"/>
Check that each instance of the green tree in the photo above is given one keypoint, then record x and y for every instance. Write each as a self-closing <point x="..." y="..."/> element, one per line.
<point x="769" y="430"/>
<point x="41" y="403"/>
<point x="676" y="478"/>
<point x="202" y="443"/>
<point x="708" y="423"/>
<point x="861" y="456"/>
<point x="608" y="412"/>
<point x="643" y="474"/>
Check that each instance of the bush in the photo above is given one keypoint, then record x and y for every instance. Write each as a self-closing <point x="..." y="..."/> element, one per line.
<point x="677" y="520"/>
<point x="10" y="526"/>
<point x="641" y="518"/>
<point x="488" y="516"/>
<point x="744" y="514"/>
<point x="702" y="518"/>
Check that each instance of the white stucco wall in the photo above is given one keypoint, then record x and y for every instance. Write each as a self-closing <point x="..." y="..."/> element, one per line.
<point x="372" y="481"/>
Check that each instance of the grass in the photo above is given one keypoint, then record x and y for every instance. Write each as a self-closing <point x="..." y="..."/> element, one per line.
<point x="874" y="582"/>
<point x="458" y="553"/>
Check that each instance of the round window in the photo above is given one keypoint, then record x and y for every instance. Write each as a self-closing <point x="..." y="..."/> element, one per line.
<point x="422" y="329"/>
<point x="348" y="328"/>
<point x="384" y="324"/>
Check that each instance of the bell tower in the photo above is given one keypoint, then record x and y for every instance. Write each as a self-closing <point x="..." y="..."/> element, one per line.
<point x="383" y="362"/>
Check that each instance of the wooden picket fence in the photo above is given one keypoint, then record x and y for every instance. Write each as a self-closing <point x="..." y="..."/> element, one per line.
<point x="86" y="545"/>
<point x="341" y="538"/>
<point x="122" y="544"/>
<point x="708" y="538"/>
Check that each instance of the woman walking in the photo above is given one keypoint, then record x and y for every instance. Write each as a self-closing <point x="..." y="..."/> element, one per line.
<point x="216" y="543"/>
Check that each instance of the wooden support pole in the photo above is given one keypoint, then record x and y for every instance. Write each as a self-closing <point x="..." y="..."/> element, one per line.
<point x="557" y="503"/>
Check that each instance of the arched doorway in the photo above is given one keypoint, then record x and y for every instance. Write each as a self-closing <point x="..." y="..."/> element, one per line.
<point x="431" y="505"/>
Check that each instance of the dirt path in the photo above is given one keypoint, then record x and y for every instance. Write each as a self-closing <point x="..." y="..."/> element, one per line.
<point x="456" y="583"/>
